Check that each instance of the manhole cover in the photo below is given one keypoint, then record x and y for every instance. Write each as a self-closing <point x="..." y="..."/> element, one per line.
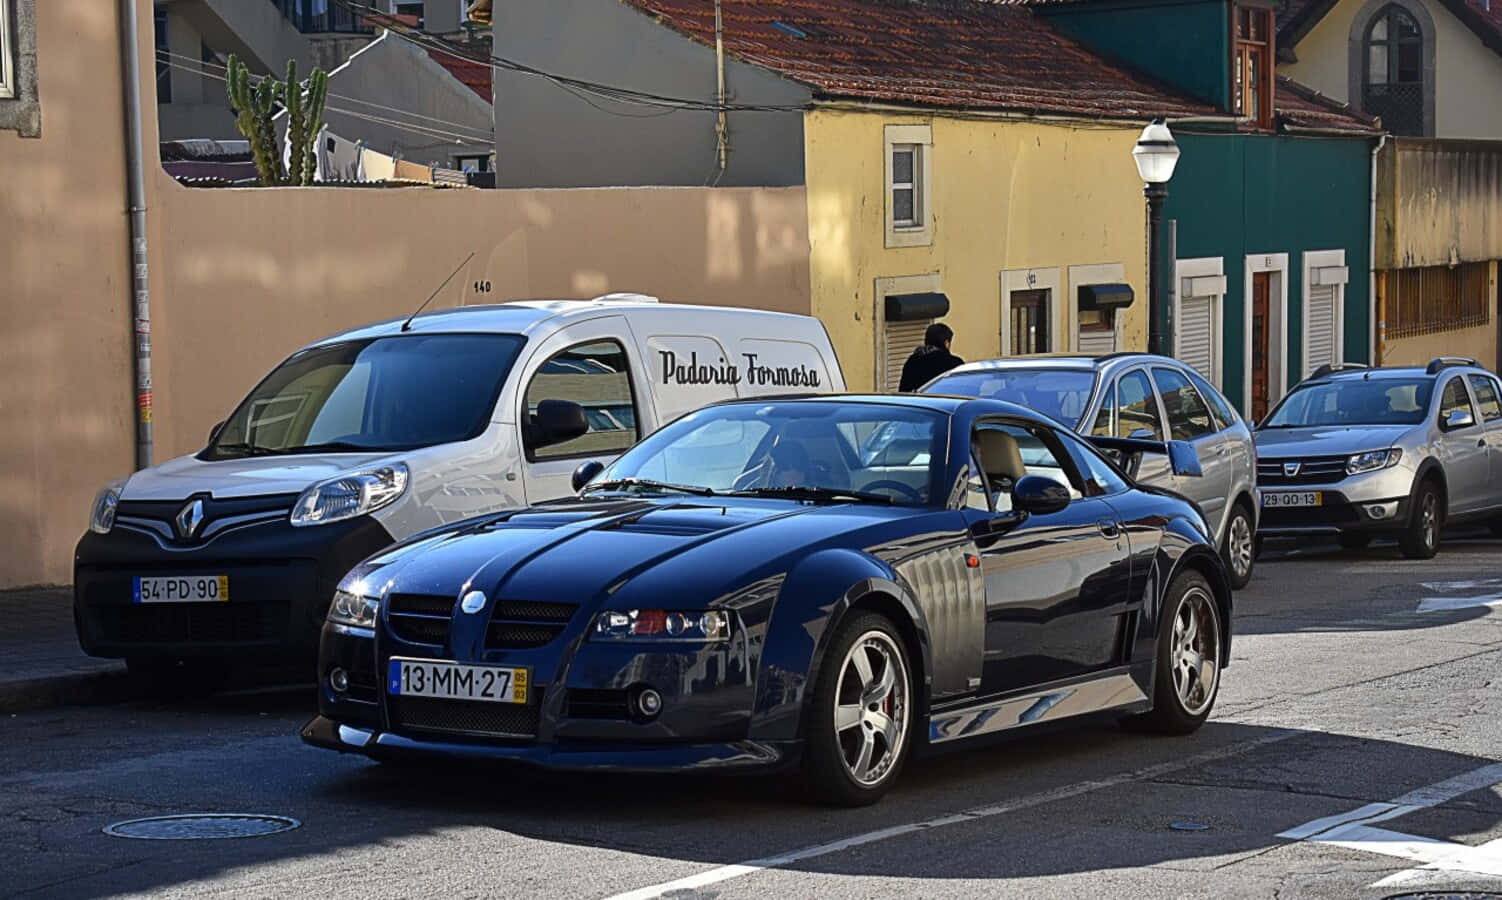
<point x="201" y="827"/>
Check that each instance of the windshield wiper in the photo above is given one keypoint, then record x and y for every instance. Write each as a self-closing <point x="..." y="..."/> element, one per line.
<point x="793" y="492"/>
<point x="335" y="446"/>
<point x="246" y="448"/>
<point x="648" y="485"/>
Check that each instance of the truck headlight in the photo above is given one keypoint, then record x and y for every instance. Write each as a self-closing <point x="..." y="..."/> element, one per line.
<point x="1372" y="460"/>
<point x="353" y="609"/>
<point x="662" y="624"/>
<point x="350" y="495"/>
<point x="102" y="516"/>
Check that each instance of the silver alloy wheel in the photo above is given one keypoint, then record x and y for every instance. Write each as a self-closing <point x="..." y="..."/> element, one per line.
<point x="871" y="708"/>
<point x="1430" y="513"/>
<point x="1195" y="651"/>
<point x="1239" y="542"/>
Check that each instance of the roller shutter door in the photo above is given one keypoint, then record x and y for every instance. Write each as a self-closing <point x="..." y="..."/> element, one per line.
<point x="899" y="340"/>
<point x="1322" y="334"/>
<point x="1197" y="334"/>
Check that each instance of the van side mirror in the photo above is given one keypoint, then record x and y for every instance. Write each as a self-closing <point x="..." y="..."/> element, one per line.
<point x="586" y="473"/>
<point x="214" y="432"/>
<point x="1459" y="418"/>
<point x="1184" y="459"/>
<point x="557" y="421"/>
<point x="1039" y="496"/>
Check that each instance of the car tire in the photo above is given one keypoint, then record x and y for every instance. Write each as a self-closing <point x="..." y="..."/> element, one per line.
<point x="1354" y="541"/>
<point x="1181" y="699"/>
<point x="862" y="706"/>
<point x="1239" y="549"/>
<point x="1420" y="538"/>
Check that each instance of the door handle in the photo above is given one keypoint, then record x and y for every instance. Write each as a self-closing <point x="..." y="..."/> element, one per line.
<point x="1109" y="528"/>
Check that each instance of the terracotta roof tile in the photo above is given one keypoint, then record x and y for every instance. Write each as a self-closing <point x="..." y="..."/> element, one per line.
<point x="955" y="54"/>
<point x="1304" y="107"/>
<point x="475" y="75"/>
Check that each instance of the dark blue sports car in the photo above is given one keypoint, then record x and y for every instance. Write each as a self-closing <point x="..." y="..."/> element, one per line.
<point x="825" y="582"/>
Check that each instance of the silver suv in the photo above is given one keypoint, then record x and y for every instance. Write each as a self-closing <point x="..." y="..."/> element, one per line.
<point x="1397" y="452"/>
<point x="1144" y="396"/>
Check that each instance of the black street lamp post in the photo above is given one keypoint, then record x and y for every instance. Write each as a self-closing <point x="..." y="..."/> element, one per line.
<point x="1156" y="155"/>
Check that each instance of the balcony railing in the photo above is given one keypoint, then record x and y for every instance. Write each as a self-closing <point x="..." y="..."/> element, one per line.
<point x="322" y="17"/>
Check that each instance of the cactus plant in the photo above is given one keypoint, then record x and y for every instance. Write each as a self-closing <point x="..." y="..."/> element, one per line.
<point x="256" y="106"/>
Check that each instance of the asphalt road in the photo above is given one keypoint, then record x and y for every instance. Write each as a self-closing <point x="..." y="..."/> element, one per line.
<point x="1344" y="703"/>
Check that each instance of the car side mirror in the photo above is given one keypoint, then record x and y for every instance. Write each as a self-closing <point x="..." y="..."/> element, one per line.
<point x="1184" y="459"/>
<point x="586" y="473"/>
<point x="1039" y="496"/>
<point x="214" y="432"/>
<point x="1459" y="418"/>
<point x="1142" y="434"/>
<point x="557" y="421"/>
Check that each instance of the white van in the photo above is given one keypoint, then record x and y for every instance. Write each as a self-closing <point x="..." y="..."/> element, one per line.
<point x="376" y="434"/>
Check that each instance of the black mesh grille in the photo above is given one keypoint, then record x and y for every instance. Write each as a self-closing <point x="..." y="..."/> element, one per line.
<point x="409" y="714"/>
<point x="514" y="636"/>
<point x="208" y="623"/>
<point x="422" y="604"/>
<point x="523" y="624"/>
<point x="589" y="703"/>
<point x="419" y="629"/>
<point x="1329" y="514"/>
<point x="546" y="612"/>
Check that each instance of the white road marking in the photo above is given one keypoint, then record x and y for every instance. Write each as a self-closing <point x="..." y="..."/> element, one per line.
<point x="1354" y="831"/>
<point x="726" y="873"/>
<point x="1442" y="604"/>
<point x="1470" y="585"/>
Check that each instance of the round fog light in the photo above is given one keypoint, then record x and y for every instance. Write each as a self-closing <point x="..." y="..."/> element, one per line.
<point x="339" y="680"/>
<point x="649" y="703"/>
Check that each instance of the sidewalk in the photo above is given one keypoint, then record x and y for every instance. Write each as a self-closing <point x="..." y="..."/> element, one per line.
<point x="40" y="663"/>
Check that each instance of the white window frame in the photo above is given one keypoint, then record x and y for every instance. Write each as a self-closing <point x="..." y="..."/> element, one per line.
<point x="1205" y="276"/>
<point x="7" y="53"/>
<point x="1324" y="268"/>
<point x="1277" y="350"/>
<point x="932" y="283"/>
<point x="920" y="138"/>
<point x="1050" y="280"/>
<point x="1082" y="276"/>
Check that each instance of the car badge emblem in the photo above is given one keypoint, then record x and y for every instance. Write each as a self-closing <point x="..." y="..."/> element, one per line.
<point x="189" y="518"/>
<point x="473" y="602"/>
<point x="1290" y="469"/>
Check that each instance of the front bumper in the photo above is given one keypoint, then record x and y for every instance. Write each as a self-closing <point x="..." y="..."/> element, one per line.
<point x="281" y="580"/>
<point x="1338" y="514"/>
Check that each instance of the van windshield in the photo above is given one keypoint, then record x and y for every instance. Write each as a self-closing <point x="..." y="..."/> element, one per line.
<point x="386" y="394"/>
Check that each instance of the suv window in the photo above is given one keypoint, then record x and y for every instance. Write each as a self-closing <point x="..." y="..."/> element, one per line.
<point x="597" y="377"/>
<point x="1101" y="478"/>
<point x="1188" y="416"/>
<point x="1455" y="398"/>
<point x="1139" y="406"/>
<point x="1486" y="397"/>
<point x="1223" y="410"/>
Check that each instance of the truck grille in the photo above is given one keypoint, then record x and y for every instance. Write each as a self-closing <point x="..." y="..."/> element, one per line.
<point x="420" y="618"/>
<point x="1312" y="470"/>
<point x="463" y="717"/>
<point x="523" y="624"/>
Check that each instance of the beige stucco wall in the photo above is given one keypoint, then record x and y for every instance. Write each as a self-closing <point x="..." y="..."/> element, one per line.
<point x="1468" y="74"/>
<point x="1006" y="195"/>
<point x="1479" y="343"/>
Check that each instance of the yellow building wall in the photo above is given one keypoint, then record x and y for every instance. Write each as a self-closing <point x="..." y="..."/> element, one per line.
<point x="1006" y="195"/>
<point x="1468" y="74"/>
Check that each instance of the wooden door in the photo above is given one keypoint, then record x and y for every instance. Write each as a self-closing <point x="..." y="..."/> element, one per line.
<point x="1261" y="286"/>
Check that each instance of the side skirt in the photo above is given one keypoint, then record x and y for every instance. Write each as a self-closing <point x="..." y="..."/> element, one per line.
<point x="1114" y="689"/>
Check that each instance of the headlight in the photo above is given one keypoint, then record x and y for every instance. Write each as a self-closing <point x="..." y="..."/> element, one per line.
<point x="353" y="609"/>
<point x="662" y="624"/>
<point x="349" y="495"/>
<point x="1372" y="460"/>
<point x="102" y="516"/>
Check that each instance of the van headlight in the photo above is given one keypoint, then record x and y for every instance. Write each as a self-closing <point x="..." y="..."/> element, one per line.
<point x="1372" y="460"/>
<point x="347" y="496"/>
<point x="102" y="516"/>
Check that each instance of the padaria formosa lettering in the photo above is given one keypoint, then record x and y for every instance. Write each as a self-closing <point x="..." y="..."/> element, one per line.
<point x="675" y="370"/>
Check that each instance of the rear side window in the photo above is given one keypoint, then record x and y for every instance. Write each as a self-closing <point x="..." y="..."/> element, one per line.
<point x="597" y="377"/>
<point x="1139" y="407"/>
<point x="1104" y="420"/>
<point x="1454" y="399"/>
<point x="1101" y="478"/>
<point x="1223" y="410"/>
<point x="1486" y="397"/>
<point x="1188" y="416"/>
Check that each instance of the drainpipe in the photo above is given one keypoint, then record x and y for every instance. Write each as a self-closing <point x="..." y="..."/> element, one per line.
<point x="1377" y="347"/>
<point x="136" y="185"/>
<point x="721" y="143"/>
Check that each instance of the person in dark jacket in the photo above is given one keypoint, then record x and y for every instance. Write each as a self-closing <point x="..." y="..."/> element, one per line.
<point x="930" y="360"/>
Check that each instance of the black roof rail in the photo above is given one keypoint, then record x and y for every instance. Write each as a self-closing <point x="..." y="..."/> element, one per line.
<point x="1440" y="363"/>
<point x="1119" y="354"/>
<point x="1327" y="369"/>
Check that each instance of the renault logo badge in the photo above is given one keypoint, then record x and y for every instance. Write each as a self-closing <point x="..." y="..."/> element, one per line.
<point x="1290" y="469"/>
<point x="473" y="602"/>
<point x="189" y="518"/>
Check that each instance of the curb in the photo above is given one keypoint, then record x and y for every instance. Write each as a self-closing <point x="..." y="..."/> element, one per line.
<point x="74" y="688"/>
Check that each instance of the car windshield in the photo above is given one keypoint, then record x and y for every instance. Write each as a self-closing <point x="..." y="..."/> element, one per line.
<point x="1354" y="401"/>
<point x="805" y="450"/>
<point x="1062" y="394"/>
<point x="392" y="393"/>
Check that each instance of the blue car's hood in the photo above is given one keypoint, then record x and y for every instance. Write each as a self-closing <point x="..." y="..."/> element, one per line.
<point x="679" y="552"/>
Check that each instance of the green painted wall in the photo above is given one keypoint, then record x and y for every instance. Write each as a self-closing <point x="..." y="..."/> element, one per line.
<point x="1184" y="43"/>
<point x="1235" y="195"/>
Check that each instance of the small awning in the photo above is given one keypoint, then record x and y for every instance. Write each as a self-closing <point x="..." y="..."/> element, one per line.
<point x="916" y="307"/>
<point x="1105" y="296"/>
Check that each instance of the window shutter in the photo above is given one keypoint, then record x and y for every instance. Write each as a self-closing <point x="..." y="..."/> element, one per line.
<point x="899" y="340"/>
<point x="1321" y="338"/>
<point x="1098" y="342"/>
<point x="1197" y="334"/>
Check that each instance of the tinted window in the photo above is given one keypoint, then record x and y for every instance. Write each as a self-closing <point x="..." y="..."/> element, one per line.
<point x="1101" y="478"/>
<point x="1354" y="401"/>
<point x="1486" y="397"/>
<point x="1139" y="407"/>
<point x="1008" y="452"/>
<point x="1059" y="393"/>
<point x="597" y="377"/>
<point x="1217" y="401"/>
<point x="372" y="395"/>
<point x="1454" y="399"/>
<point x="1188" y="416"/>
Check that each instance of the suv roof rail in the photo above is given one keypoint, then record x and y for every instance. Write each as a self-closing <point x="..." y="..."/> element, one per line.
<point x="1119" y="354"/>
<point x="1444" y="362"/>
<point x="1326" y="369"/>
